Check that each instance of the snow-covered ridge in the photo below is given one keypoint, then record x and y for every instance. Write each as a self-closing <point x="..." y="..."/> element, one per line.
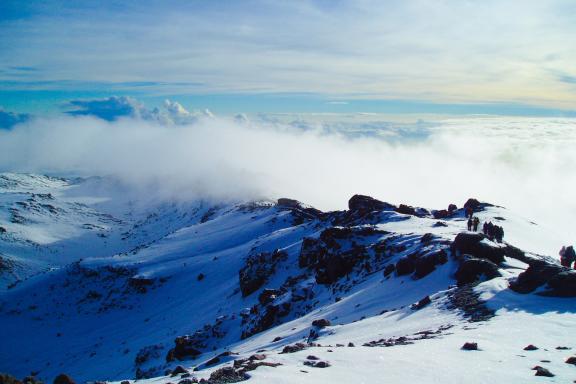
<point x="271" y="292"/>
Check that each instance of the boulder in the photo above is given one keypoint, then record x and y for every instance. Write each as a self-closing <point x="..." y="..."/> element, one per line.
<point x="321" y="323"/>
<point x="470" y="346"/>
<point x="267" y="296"/>
<point x="426" y="264"/>
<point x="558" y="280"/>
<point x="63" y="379"/>
<point x="422" y="303"/>
<point x="257" y="269"/>
<point x="530" y="347"/>
<point x="406" y="210"/>
<point x="571" y="360"/>
<point x="541" y="371"/>
<point x="227" y="375"/>
<point x="473" y="244"/>
<point x="473" y="269"/>
<point x="363" y="203"/>
<point x="405" y="266"/>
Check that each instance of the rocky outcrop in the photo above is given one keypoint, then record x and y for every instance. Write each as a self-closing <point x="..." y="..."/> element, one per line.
<point x="472" y="269"/>
<point x="477" y="245"/>
<point x="257" y="269"/>
<point x="555" y="279"/>
<point x="361" y="203"/>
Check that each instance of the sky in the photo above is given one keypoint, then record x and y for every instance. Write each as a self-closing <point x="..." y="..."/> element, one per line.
<point x="504" y="57"/>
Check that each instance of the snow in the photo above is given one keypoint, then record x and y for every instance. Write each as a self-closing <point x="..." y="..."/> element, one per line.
<point x="53" y="321"/>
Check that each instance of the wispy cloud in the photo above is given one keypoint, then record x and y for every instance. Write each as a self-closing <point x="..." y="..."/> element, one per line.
<point x="441" y="51"/>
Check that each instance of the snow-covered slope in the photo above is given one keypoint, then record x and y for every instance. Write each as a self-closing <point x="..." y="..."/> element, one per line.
<point x="110" y="288"/>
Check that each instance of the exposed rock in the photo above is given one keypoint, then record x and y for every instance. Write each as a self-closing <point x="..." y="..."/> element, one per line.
<point x="389" y="269"/>
<point x="472" y="270"/>
<point x="470" y="346"/>
<point x="426" y="264"/>
<point x="63" y="379"/>
<point x="293" y="348"/>
<point x="267" y="296"/>
<point x="367" y="204"/>
<point x="422" y="303"/>
<point x="406" y="210"/>
<point x="317" y="364"/>
<point x="439" y="224"/>
<point x="351" y="345"/>
<point x="530" y="347"/>
<point x="405" y="266"/>
<point x="560" y="281"/>
<point x="571" y="360"/>
<point x="226" y="375"/>
<point x="541" y="371"/>
<point x="258" y="268"/>
<point x="321" y="323"/>
<point x="426" y="238"/>
<point x="187" y="347"/>
<point x="312" y="357"/>
<point x="473" y="244"/>
<point x="140" y="284"/>
<point x="441" y="214"/>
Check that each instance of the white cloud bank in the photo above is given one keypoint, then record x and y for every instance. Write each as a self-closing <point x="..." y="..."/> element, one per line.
<point x="524" y="164"/>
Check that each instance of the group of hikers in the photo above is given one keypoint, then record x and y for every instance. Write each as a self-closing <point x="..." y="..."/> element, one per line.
<point x="494" y="232"/>
<point x="567" y="256"/>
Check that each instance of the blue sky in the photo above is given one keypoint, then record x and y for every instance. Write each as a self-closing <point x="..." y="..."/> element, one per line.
<point x="394" y="56"/>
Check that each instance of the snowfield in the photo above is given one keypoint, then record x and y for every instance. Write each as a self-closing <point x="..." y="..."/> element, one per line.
<point x="106" y="286"/>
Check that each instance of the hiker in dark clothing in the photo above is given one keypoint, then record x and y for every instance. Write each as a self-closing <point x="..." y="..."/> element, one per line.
<point x="475" y="224"/>
<point x="490" y="230"/>
<point x="569" y="256"/>
<point x="470" y="224"/>
<point x="498" y="233"/>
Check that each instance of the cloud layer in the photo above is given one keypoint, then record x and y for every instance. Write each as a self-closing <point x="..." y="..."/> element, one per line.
<point x="525" y="164"/>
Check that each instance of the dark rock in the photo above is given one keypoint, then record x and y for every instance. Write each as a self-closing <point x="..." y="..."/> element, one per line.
<point x="441" y="214"/>
<point x="470" y="346"/>
<point x="140" y="284"/>
<point x="406" y="210"/>
<point x="277" y="338"/>
<point x="179" y="370"/>
<point x="405" y="266"/>
<point x="472" y="244"/>
<point x="389" y="269"/>
<point x="426" y="238"/>
<point x="367" y="204"/>
<point x="439" y="224"/>
<point x="312" y="357"/>
<point x="571" y="360"/>
<point x="452" y="207"/>
<point x="541" y="371"/>
<point x="472" y="270"/>
<point x="563" y="348"/>
<point x="530" y="348"/>
<point x="226" y="375"/>
<point x="321" y="323"/>
<point x="188" y="381"/>
<point x="351" y="344"/>
<point x="426" y="264"/>
<point x="257" y="269"/>
<point x="200" y="277"/>
<point x="257" y="356"/>
<point x="563" y="284"/>
<point x="186" y="347"/>
<point x="124" y="382"/>
<point x="294" y="348"/>
<point x="212" y="361"/>
<point x="422" y="303"/>
<point x="288" y="203"/>
<point x="560" y="281"/>
<point x="317" y="364"/>
<point x="473" y="204"/>
<point x="63" y="379"/>
<point x="267" y="296"/>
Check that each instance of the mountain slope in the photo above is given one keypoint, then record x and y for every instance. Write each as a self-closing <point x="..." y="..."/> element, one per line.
<point x="200" y="285"/>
